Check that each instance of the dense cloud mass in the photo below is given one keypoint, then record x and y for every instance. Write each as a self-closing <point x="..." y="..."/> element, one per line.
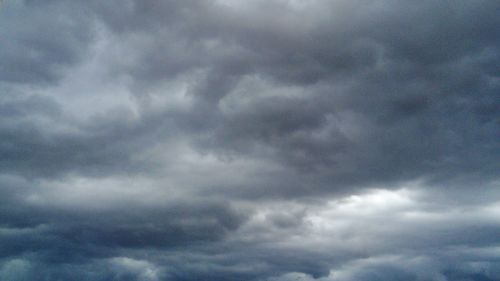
<point x="259" y="140"/>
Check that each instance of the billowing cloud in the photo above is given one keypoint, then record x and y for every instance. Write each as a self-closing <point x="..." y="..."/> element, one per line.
<point x="256" y="140"/>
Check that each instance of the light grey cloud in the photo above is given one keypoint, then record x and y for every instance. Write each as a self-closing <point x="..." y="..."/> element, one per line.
<point x="40" y="40"/>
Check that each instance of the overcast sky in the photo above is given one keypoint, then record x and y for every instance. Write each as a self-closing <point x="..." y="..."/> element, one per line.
<point x="252" y="140"/>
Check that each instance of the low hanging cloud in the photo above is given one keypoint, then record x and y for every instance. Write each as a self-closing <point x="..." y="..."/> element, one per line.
<point x="258" y="140"/>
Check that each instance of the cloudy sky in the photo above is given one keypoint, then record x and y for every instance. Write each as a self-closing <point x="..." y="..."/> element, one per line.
<point x="256" y="140"/>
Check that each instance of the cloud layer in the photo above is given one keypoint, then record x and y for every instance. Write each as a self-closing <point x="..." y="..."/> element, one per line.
<point x="249" y="140"/>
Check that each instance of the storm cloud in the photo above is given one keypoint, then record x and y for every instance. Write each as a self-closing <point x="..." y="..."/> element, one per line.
<point x="254" y="140"/>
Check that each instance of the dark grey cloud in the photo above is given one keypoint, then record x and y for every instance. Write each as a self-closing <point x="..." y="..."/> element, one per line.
<point x="264" y="140"/>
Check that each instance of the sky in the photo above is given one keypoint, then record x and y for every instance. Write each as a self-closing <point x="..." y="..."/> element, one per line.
<point x="258" y="140"/>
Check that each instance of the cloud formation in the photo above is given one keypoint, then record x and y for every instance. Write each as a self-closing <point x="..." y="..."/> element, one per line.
<point x="265" y="140"/>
